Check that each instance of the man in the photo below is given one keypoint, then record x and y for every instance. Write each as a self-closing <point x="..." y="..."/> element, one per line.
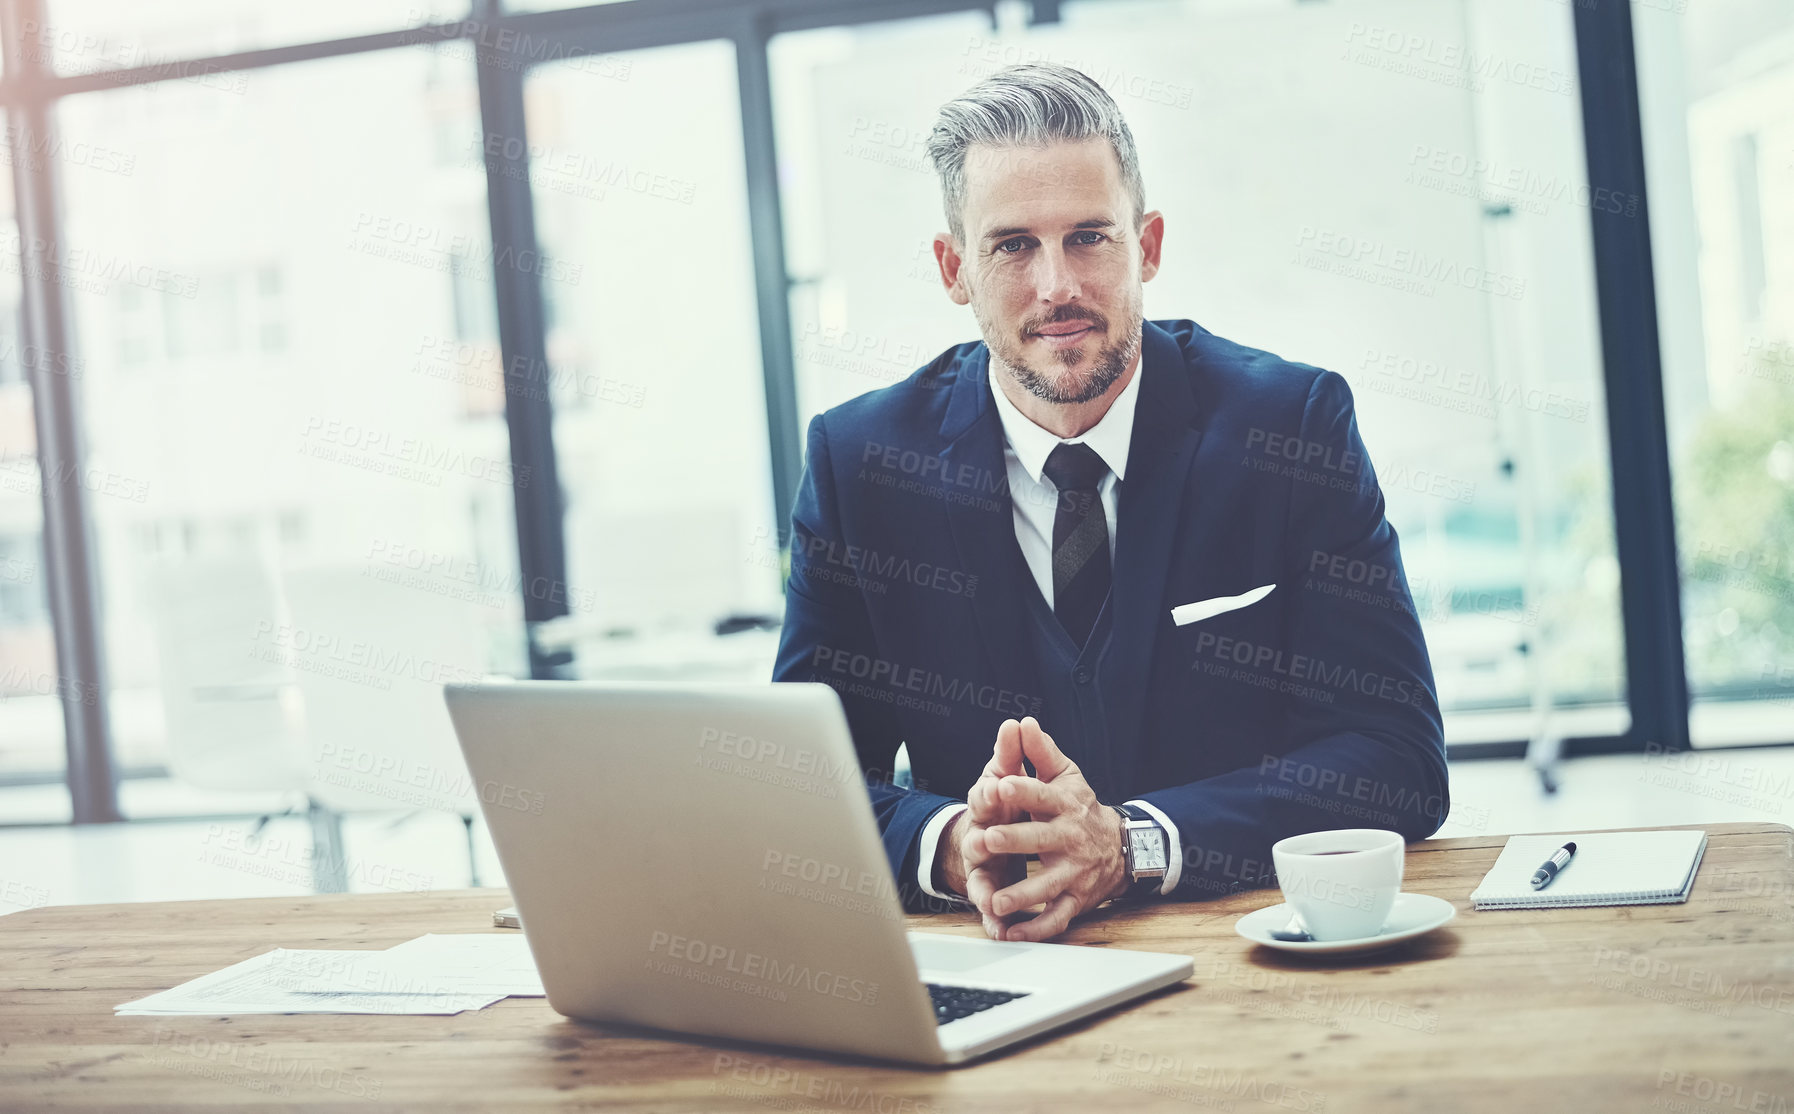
<point x="995" y="546"/>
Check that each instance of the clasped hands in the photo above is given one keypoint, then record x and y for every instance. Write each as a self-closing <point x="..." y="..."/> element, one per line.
<point x="1054" y="815"/>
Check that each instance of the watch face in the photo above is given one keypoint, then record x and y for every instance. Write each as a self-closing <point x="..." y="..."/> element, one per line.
<point x="1149" y="849"/>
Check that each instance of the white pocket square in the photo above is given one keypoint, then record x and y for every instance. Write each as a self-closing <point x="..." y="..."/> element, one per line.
<point x="1208" y="609"/>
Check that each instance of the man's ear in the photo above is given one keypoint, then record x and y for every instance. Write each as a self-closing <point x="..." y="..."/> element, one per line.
<point x="1152" y="241"/>
<point x="948" y="257"/>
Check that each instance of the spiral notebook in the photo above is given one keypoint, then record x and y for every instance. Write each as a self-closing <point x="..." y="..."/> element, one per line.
<point x="1609" y="868"/>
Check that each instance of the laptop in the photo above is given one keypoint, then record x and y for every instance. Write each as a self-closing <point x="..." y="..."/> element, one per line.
<point x="703" y="858"/>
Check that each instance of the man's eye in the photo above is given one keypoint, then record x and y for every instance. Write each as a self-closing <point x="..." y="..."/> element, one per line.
<point x="1007" y="244"/>
<point x="1095" y="237"/>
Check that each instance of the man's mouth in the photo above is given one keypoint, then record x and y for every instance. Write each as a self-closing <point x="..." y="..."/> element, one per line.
<point x="1064" y="332"/>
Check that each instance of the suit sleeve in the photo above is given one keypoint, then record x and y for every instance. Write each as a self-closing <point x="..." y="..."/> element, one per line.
<point x="826" y="626"/>
<point x="1362" y="745"/>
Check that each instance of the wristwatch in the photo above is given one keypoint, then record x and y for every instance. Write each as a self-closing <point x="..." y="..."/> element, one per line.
<point x="1143" y="845"/>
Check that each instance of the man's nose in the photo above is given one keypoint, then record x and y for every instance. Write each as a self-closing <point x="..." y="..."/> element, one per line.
<point x="1055" y="278"/>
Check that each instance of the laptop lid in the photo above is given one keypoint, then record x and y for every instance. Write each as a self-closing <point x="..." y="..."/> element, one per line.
<point x="698" y="858"/>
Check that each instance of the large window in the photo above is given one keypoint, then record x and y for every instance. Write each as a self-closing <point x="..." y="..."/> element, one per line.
<point x="93" y="36"/>
<point x="285" y="309"/>
<point x="1717" y="85"/>
<point x="654" y="352"/>
<point x="1414" y="219"/>
<point x="31" y="688"/>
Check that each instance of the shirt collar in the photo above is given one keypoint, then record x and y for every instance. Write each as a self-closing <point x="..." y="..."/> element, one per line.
<point x="1109" y="438"/>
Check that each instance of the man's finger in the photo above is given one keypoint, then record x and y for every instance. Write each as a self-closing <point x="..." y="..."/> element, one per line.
<point x="979" y="887"/>
<point x="982" y="798"/>
<point x="991" y="767"/>
<point x="975" y="846"/>
<point x="982" y="884"/>
<point x="1056" y="919"/>
<point x="1049" y="761"/>
<point x="987" y="804"/>
<point x="1024" y="837"/>
<point x="1032" y="796"/>
<point x="1025" y="893"/>
<point x="1007" y="756"/>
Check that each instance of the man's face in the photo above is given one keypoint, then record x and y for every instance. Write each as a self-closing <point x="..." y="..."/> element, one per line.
<point x="1052" y="264"/>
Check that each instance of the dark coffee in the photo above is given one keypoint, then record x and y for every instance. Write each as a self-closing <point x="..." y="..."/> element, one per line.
<point x="1336" y="852"/>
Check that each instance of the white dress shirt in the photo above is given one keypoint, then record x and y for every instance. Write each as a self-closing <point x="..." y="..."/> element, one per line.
<point x="1026" y="447"/>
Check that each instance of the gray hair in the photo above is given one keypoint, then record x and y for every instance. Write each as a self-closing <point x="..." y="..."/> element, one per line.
<point x="1028" y="106"/>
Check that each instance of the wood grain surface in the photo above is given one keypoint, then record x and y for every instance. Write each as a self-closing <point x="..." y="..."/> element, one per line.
<point x="1684" y="1007"/>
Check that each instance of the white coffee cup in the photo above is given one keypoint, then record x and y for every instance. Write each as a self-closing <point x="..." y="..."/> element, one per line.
<point x="1342" y="882"/>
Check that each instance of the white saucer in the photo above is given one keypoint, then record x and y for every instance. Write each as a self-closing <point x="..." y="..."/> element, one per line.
<point x="1411" y="916"/>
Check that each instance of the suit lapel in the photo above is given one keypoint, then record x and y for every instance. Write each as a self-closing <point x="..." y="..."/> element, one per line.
<point x="982" y="521"/>
<point x="1159" y="458"/>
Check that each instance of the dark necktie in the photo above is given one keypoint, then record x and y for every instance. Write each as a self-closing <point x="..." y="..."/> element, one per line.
<point x="1080" y="539"/>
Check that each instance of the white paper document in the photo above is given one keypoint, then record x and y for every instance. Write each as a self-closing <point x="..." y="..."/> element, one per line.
<point x="293" y="981"/>
<point x="477" y="964"/>
<point x="474" y="962"/>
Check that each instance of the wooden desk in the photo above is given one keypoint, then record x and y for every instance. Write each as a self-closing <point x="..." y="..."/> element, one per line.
<point x="1668" y="1007"/>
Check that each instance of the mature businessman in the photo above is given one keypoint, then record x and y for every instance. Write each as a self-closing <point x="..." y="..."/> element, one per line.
<point x="985" y="559"/>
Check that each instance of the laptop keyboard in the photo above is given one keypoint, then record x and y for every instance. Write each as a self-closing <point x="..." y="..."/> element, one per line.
<point x="954" y="1002"/>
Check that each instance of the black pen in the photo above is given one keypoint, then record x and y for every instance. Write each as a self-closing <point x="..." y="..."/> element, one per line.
<point x="1559" y="859"/>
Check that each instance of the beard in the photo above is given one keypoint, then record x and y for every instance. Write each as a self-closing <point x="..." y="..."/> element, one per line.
<point x="1067" y="386"/>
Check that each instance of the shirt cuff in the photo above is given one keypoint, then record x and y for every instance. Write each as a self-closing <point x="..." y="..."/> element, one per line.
<point x="1174" y="850"/>
<point x="928" y="842"/>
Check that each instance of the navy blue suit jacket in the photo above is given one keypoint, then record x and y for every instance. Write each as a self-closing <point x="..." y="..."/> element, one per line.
<point x="1311" y="709"/>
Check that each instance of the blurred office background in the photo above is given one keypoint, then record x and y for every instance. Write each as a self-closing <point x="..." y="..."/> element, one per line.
<point x="354" y="346"/>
